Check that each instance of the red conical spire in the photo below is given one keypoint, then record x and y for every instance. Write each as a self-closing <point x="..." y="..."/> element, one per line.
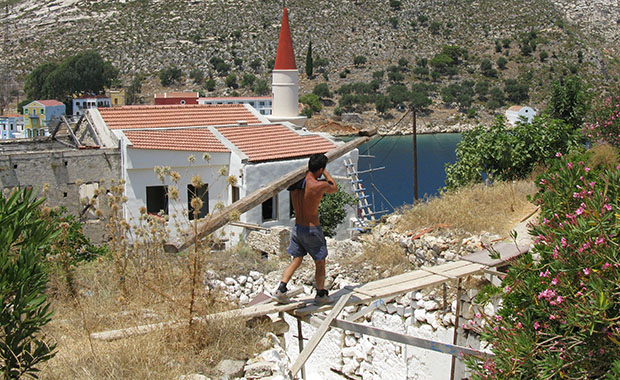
<point x="285" y="58"/>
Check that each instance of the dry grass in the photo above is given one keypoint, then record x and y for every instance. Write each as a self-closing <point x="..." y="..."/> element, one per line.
<point x="158" y="292"/>
<point x="492" y="208"/>
<point x="603" y="156"/>
<point x="378" y="261"/>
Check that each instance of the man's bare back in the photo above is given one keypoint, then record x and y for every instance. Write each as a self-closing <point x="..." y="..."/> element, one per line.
<point x="306" y="201"/>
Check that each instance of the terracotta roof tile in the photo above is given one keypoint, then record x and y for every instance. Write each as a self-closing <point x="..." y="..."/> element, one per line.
<point x="49" y="103"/>
<point x="274" y="142"/>
<point x="11" y="115"/>
<point x="165" y="116"/>
<point x="186" y="139"/>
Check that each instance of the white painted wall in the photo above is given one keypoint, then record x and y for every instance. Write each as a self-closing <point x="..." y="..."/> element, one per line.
<point x="259" y="175"/>
<point x="514" y="116"/>
<point x="139" y="173"/>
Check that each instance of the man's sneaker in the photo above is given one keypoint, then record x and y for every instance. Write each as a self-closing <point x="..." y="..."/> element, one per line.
<point x="323" y="299"/>
<point x="281" y="297"/>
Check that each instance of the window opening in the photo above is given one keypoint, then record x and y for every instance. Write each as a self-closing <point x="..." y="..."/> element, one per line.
<point x="157" y="199"/>
<point x="270" y="209"/>
<point x="201" y="192"/>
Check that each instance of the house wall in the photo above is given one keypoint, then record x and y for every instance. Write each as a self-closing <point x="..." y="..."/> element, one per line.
<point x="38" y="163"/>
<point x="259" y="175"/>
<point x="139" y="173"/>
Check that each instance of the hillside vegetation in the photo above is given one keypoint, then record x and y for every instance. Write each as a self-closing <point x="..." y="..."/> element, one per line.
<point x="531" y="43"/>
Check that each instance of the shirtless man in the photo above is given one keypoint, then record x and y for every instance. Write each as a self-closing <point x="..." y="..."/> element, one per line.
<point x="307" y="235"/>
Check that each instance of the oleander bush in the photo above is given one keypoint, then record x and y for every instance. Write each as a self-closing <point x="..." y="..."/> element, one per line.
<point x="561" y="302"/>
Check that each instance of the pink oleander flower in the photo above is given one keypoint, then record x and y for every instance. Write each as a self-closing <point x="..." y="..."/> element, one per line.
<point x="536" y="325"/>
<point x="558" y="154"/>
<point x="551" y="317"/>
<point x="519" y="325"/>
<point x="555" y="281"/>
<point x="606" y="265"/>
<point x="555" y="252"/>
<point x="607" y="207"/>
<point x="587" y="169"/>
<point x="580" y="210"/>
<point x="570" y="165"/>
<point x="559" y="299"/>
<point x="563" y="242"/>
<point x="600" y="240"/>
<point x="507" y="288"/>
<point x="586" y="271"/>
<point x="544" y="274"/>
<point x="478" y="315"/>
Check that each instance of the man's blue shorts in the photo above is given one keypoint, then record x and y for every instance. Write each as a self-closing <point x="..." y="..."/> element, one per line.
<point x="308" y="239"/>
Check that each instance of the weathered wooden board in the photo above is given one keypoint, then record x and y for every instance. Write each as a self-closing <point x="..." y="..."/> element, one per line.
<point x="507" y="251"/>
<point x="446" y="348"/>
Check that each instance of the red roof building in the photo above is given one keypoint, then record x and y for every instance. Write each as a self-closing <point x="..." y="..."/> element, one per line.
<point x="181" y="98"/>
<point x="128" y="117"/>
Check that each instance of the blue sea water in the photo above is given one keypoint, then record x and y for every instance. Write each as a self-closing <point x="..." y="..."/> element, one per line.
<point x="392" y="187"/>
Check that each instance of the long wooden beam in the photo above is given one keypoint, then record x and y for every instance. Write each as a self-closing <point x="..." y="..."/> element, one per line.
<point x="213" y="222"/>
<point x="446" y="348"/>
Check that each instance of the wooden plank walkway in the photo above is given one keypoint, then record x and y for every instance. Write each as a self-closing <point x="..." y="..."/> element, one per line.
<point x="397" y="285"/>
<point x="507" y="252"/>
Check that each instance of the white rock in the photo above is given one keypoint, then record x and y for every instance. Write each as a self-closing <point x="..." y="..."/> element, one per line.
<point x="350" y="367"/>
<point x="453" y="307"/>
<point x="420" y="315"/>
<point x="256" y="275"/>
<point x="420" y="304"/>
<point x="449" y="255"/>
<point x="247" y="291"/>
<point x="360" y="354"/>
<point x="194" y="376"/>
<point x="431" y="305"/>
<point x="391" y="308"/>
<point x="244" y="299"/>
<point x="447" y="319"/>
<point x="350" y="341"/>
<point x="489" y="309"/>
<point x="242" y="279"/>
<point x="230" y="281"/>
<point x="432" y="319"/>
<point x="348" y="352"/>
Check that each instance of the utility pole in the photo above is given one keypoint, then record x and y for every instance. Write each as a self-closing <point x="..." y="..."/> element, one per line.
<point x="415" y="159"/>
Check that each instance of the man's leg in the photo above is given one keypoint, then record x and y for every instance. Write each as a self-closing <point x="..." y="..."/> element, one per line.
<point x="319" y="274"/>
<point x="290" y="270"/>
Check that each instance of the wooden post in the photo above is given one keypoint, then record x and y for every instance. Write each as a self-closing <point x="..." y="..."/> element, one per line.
<point x="459" y="292"/>
<point x="212" y="222"/>
<point x="415" y="158"/>
<point x="300" y="340"/>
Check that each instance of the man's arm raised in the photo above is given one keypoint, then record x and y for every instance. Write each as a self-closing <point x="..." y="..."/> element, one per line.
<point x="330" y="184"/>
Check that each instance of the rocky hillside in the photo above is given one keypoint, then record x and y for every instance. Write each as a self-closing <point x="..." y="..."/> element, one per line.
<point x="145" y="36"/>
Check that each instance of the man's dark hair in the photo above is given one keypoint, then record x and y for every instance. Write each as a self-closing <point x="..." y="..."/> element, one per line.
<point x="317" y="161"/>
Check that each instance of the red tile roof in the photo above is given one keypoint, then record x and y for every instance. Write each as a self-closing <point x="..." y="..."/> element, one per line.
<point x="128" y="117"/>
<point x="49" y="103"/>
<point x="187" y="139"/>
<point x="274" y="142"/>
<point x="12" y="115"/>
<point x="285" y="56"/>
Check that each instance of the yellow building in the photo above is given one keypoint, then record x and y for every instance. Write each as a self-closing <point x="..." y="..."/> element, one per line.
<point x="117" y="97"/>
<point x="39" y="114"/>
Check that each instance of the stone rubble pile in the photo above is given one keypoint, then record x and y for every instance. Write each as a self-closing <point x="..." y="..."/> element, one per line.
<point x="240" y="289"/>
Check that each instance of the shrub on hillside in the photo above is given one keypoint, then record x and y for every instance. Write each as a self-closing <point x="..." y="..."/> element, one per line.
<point x="560" y="302"/>
<point x="503" y="153"/>
<point x="606" y="127"/>
<point x="170" y="75"/>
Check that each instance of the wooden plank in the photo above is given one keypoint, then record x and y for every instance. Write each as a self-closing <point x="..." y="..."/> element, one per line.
<point x="211" y="223"/>
<point x="417" y="280"/>
<point x="245" y="313"/>
<point x="318" y="335"/>
<point x="414" y="275"/>
<point x="507" y="251"/>
<point x="445" y="348"/>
